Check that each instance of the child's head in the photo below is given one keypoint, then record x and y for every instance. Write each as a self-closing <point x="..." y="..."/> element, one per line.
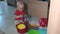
<point x="20" y="6"/>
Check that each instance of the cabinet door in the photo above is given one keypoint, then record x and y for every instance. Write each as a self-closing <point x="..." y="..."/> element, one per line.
<point x="12" y="2"/>
<point x="38" y="9"/>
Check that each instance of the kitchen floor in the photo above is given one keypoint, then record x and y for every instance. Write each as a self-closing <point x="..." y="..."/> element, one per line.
<point x="7" y="18"/>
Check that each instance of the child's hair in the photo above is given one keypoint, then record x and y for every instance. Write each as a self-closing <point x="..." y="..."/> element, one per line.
<point x="20" y="3"/>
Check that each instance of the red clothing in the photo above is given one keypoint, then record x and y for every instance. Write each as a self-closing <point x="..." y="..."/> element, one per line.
<point x="17" y="13"/>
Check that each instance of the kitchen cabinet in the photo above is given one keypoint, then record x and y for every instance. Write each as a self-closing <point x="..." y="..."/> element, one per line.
<point x="1" y="0"/>
<point x="11" y="2"/>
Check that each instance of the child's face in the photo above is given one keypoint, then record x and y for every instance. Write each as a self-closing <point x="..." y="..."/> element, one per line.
<point x="20" y="7"/>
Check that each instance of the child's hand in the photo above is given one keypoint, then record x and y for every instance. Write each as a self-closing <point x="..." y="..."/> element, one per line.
<point x="17" y="16"/>
<point x="20" y="15"/>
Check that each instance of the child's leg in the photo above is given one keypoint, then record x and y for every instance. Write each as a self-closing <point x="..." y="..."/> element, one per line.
<point x="18" y="21"/>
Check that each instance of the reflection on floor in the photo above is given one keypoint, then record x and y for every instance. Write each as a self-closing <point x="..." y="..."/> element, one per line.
<point x="7" y="18"/>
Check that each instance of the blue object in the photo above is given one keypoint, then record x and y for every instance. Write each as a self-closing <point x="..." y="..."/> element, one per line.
<point x="42" y="31"/>
<point x="23" y="19"/>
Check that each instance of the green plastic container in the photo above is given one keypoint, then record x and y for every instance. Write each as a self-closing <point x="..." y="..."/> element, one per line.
<point x="33" y="32"/>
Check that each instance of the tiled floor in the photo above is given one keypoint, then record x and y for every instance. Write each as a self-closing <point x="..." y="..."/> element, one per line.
<point x="7" y="18"/>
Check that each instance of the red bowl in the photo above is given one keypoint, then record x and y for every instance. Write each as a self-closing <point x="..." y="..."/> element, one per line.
<point x="43" y="22"/>
<point x="22" y="30"/>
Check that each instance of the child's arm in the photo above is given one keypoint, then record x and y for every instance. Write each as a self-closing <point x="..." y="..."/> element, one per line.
<point x="17" y="16"/>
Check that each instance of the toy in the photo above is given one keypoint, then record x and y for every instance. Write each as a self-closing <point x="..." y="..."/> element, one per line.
<point x="42" y="31"/>
<point x="21" y="28"/>
<point x="43" y="22"/>
<point x="33" y="32"/>
<point x="29" y="26"/>
<point x="35" y="26"/>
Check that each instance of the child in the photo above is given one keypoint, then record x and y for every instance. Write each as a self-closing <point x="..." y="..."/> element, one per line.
<point x="20" y="18"/>
<point x="20" y="13"/>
